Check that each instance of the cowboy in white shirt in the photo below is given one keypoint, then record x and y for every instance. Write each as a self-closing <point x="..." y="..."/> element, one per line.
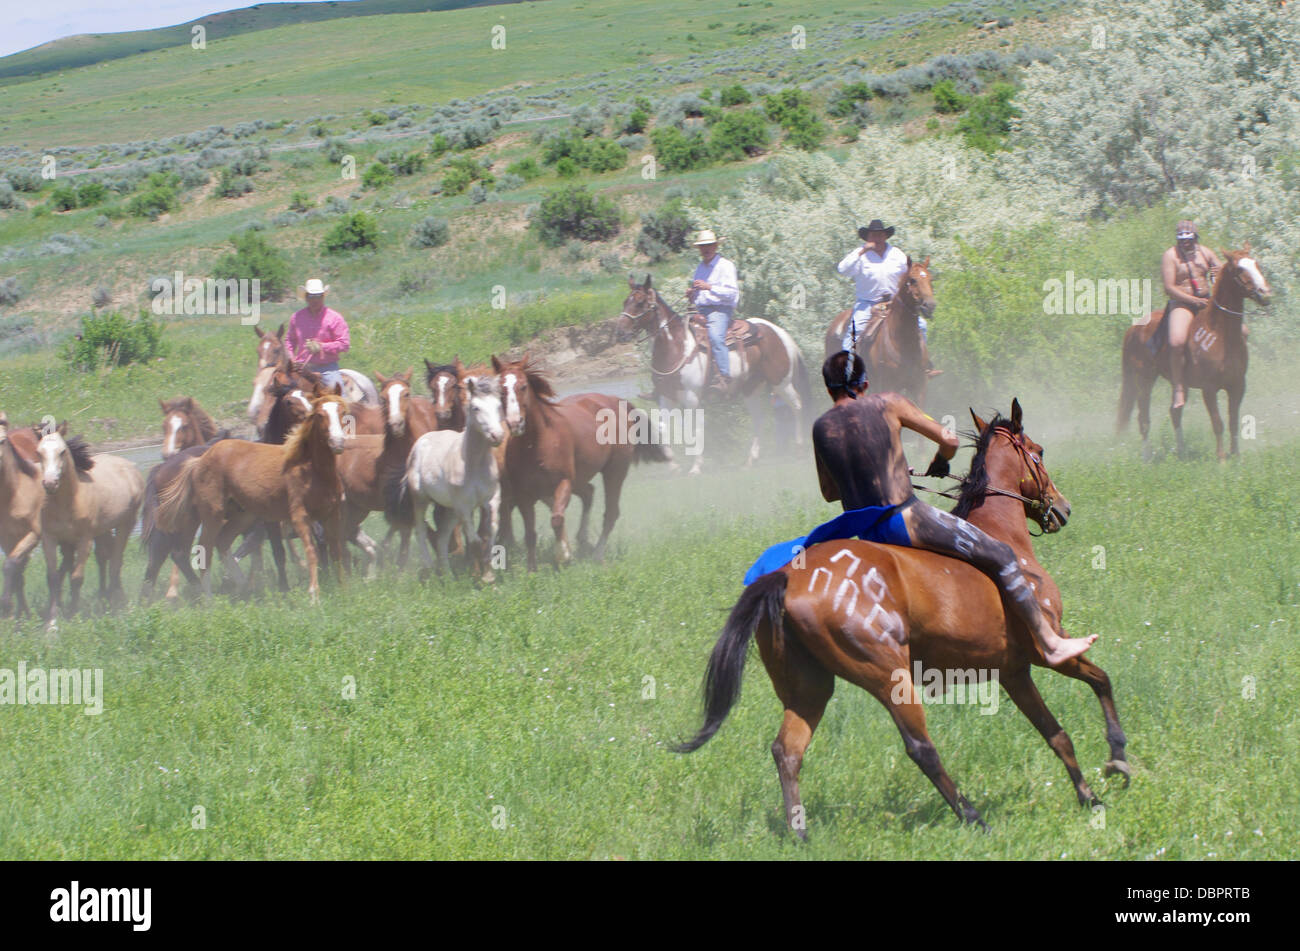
<point x="877" y="268"/>
<point x="715" y="292"/>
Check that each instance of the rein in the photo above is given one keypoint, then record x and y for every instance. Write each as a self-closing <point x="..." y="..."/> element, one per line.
<point x="1037" y="506"/>
<point x="663" y="325"/>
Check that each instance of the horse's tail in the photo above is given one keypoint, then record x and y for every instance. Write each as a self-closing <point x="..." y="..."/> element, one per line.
<point x="176" y="497"/>
<point x="647" y="450"/>
<point x="764" y="600"/>
<point x="1128" y="389"/>
<point x="149" y="515"/>
<point x="399" y="507"/>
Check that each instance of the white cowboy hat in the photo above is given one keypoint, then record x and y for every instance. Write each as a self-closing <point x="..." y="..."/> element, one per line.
<point x="314" y="286"/>
<point x="706" y="237"/>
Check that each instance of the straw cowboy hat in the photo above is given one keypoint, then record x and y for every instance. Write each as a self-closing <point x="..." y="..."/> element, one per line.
<point x="707" y="237"/>
<point x="313" y="287"/>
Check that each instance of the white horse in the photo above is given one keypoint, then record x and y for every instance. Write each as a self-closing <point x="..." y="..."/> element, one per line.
<point x="458" y="473"/>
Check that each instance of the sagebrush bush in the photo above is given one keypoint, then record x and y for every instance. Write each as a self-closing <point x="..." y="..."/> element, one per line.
<point x="431" y="232"/>
<point x="665" y="231"/>
<point x="158" y="196"/>
<point x="571" y="211"/>
<point x="10" y="291"/>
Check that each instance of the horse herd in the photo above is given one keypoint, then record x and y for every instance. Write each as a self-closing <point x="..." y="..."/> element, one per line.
<point x="486" y="440"/>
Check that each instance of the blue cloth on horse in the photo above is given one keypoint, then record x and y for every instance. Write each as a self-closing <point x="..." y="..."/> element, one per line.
<point x="875" y="523"/>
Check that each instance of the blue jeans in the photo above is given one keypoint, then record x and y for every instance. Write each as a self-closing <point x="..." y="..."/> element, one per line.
<point x="719" y="321"/>
<point x="329" y="374"/>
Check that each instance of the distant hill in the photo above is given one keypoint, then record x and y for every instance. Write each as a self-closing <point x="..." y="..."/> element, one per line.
<point x="86" y="49"/>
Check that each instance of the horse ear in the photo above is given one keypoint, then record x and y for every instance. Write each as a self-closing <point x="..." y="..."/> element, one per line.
<point x="162" y="404"/>
<point x="337" y="389"/>
<point x="406" y="377"/>
<point x="1016" y="415"/>
<point x="926" y="263"/>
<point x="381" y="378"/>
<point x="646" y="285"/>
<point x="62" y="428"/>
<point x="1246" y="247"/>
<point x="496" y="364"/>
<point x="460" y="367"/>
<point x="279" y="334"/>
<point x="427" y="365"/>
<point x="259" y="331"/>
<point x="631" y="282"/>
<point x="980" y="425"/>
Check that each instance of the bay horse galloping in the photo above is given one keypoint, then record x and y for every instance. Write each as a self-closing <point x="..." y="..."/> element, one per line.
<point x="895" y="354"/>
<point x="556" y="448"/>
<point x="235" y="484"/>
<point x="1216" y="358"/>
<point x="767" y="362"/>
<point x="875" y="615"/>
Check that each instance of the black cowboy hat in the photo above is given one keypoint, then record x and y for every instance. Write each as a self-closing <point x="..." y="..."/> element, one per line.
<point x="875" y="225"/>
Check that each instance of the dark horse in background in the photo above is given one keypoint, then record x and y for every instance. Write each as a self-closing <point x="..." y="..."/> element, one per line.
<point x="1216" y="355"/>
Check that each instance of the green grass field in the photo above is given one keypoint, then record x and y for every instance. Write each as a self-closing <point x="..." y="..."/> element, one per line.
<point x="531" y="696"/>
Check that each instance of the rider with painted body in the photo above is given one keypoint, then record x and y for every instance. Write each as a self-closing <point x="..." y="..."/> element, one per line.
<point x="318" y="335"/>
<point x="860" y="463"/>
<point x="715" y="292"/>
<point x="1188" y="270"/>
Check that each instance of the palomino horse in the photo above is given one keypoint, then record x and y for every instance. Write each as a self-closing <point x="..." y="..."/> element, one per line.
<point x="88" y="500"/>
<point x="236" y="484"/>
<point x="874" y="614"/>
<point x="896" y="356"/>
<point x="556" y="448"/>
<point x="1216" y="360"/>
<point x="357" y="387"/>
<point x="458" y="473"/>
<point x="680" y="366"/>
<point x="21" y="501"/>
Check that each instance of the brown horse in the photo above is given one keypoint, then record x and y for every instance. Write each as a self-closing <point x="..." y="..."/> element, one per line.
<point x="896" y="355"/>
<point x="185" y="424"/>
<point x="875" y="614"/>
<point x="1216" y="359"/>
<point x="21" y="502"/>
<point x="236" y="484"/>
<point x="270" y="347"/>
<point x="555" y="449"/>
<point x="442" y="381"/>
<point x="88" y="500"/>
<point x="767" y="362"/>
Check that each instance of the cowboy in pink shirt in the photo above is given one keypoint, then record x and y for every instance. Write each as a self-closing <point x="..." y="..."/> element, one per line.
<point x="318" y="334"/>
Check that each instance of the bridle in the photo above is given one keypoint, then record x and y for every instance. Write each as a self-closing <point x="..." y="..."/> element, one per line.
<point x="654" y="306"/>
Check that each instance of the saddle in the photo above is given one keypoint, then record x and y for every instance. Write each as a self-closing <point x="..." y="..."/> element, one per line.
<point x="874" y="323"/>
<point x="740" y="332"/>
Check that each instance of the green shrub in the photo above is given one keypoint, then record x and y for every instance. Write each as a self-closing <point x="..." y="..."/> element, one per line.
<point x="525" y="168"/>
<point x="90" y="194"/>
<point x="159" y="194"/>
<point x="63" y="198"/>
<point x="946" y="97"/>
<point x="352" y="232"/>
<point x="409" y="164"/>
<point x="439" y="145"/>
<point x="636" y="122"/>
<point x="735" y="95"/>
<point x="567" y="168"/>
<point x="844" y="100"/>
<point x="678" y="152"/>
<point x="738" y="134"/>
<point x="592" y="153"/>
<point x="987" y="122"/>
<point x="300" y="201"/>
<point x="456" y="181"/>
<point x="231" y="184"/>
<point x="112" y="339"/>
<point x="376" y="175"/>
<point x="792" y="110"/>
<point x="573" y="212"/>
<point x="255" y="257"/>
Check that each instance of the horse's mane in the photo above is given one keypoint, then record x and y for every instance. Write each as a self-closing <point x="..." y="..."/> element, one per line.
<point x="432" y="371"/>
<point x="297" y="445"/>
<point x="538" y="381"/>
<point x="187" y="405"/>
<point x="976" y="483"/>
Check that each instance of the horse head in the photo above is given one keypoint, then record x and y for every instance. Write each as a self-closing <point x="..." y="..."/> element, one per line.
<point x="270" y="347"/>
<point x="443" y="381"/>
<point x="328" y="407"/>
<point x="395" y="398"/>
<point x="483" y="409"/>
<point x="1007" y="462"/>
<point x="54" y="448"/>
<point x="916" y="287"/>
<point x="523" y="388"/>
<point x="185" y="424"/>
<point x="1242" y="273"/>
<point x="641" y="310"/>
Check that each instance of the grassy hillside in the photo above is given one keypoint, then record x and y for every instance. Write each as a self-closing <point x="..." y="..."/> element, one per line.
<point x="88" y="49"/>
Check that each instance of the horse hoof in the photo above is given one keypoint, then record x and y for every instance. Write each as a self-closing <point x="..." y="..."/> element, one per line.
<point x="1119" y="767"/>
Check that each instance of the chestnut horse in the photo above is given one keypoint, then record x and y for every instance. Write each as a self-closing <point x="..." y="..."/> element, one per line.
<point x="357" y="387"/>
<point x="556" y="447"/>
<point x="770" y="363"/>
<point x="236" y="484"/>
<point x="442" y="381"/>
<point x="88" y="500"/>
<point x="872" y="614"/>
<point x="1216" y="355"/>
<point x="21" y="501"/>
<point x="895" y="355"/>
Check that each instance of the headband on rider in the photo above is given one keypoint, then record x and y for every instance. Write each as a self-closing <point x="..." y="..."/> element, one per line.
<point x="1186" y="231"/>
